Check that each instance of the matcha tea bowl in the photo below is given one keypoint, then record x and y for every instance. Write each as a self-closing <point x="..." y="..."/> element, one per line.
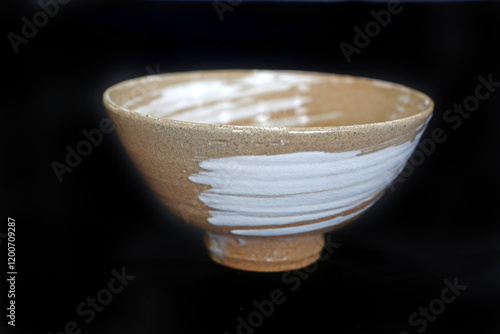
<point x="266" y="162"/>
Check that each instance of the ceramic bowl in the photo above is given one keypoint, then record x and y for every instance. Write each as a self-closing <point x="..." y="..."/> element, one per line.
<point x="266" y="162"/>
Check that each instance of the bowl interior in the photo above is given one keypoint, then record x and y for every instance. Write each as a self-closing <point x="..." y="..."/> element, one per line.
<point x="268" y="98"/>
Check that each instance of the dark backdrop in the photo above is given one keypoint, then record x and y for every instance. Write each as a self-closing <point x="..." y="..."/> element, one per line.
<point x="437" y="228"/>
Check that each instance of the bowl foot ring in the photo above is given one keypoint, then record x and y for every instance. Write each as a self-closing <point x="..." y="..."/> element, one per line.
<point x="264" y="254"/>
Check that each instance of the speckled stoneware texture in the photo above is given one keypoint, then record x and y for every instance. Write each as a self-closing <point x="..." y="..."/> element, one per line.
<point x="266" y="162"/>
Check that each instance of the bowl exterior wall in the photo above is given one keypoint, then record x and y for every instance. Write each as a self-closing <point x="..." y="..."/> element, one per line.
<point x="253" y="181"/>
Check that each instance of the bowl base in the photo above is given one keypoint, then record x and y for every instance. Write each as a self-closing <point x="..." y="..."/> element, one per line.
<point x="264" y="254"/>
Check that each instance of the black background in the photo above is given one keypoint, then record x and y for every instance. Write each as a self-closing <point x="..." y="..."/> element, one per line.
<point x="441" y="223"/>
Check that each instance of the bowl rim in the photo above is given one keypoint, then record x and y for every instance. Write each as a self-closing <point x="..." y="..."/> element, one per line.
<point x="111" y="105"/>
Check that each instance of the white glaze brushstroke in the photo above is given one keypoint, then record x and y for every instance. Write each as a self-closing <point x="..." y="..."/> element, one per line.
<point x="265" y="190"/>
<point x="226" y="101"/>
<point x="299" y="229"/>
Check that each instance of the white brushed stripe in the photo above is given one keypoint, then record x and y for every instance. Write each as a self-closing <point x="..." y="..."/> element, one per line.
<point x="246" y="179"/>
<point x="269" y="232"/>
<point x="297" y="187"/>
<point x="234" y="218"/>
<point x="227" y="114"/>
<point x="290" y="204"/>
<point x="228" y="100"/>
